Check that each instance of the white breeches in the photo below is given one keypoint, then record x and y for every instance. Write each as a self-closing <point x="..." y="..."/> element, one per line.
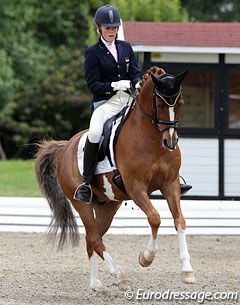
<point x="105" y="111"/>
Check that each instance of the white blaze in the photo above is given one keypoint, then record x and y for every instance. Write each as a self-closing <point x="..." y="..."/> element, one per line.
<point x="172" y="117"/>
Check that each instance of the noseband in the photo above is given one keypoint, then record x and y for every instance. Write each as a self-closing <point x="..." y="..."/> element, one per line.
<point x="169" y="100"/>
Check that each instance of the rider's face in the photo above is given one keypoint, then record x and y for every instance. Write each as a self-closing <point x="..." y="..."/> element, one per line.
<point x="109" y="33"/>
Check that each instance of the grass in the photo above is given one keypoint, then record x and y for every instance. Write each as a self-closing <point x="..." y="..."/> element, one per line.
<point x="17" y="179"/>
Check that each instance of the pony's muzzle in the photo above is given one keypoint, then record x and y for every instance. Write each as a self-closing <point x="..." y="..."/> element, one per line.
<point x="170" y="141"/>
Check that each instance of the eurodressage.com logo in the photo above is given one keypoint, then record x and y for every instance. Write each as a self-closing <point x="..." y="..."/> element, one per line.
<point x="168" y="295"/>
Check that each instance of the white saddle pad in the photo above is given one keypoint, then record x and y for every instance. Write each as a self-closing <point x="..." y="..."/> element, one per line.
<point x="103" y="166"/>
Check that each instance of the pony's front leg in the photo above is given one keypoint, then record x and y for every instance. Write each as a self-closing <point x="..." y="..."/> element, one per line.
<point x="147" y="256"/>
<point x="142" y="200"/>
<point x="187" y="274"/>
<point x="172" y="196"/>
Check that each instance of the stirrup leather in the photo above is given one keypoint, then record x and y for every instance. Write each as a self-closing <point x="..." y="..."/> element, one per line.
<point x="83" y="193"/>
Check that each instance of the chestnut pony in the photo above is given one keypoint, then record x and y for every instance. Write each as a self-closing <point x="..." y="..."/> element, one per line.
<point x="148" y="159"/>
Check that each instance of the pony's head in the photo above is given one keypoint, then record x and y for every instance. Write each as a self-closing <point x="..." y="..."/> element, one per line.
<point x="166" y="98"/>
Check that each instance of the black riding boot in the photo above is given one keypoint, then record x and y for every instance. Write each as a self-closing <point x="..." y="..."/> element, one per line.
<point x="184" y="187"/>
<point x="84" y="190"/>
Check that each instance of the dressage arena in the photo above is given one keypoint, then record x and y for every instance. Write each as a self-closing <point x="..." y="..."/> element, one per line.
<point x="33" y="272"/>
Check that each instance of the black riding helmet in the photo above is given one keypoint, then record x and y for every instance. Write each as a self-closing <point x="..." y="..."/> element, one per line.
<point x="107" y="16"/>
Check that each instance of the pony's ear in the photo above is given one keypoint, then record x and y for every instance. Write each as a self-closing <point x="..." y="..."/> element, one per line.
<point x="180" y="77"/>
<point x="154" y="78"/>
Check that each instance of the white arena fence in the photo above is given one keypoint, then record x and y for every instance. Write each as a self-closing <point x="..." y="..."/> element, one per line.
<point x="202" y="217"/>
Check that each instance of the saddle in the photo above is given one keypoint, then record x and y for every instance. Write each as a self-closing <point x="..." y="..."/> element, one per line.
<point x="104" y="150"/>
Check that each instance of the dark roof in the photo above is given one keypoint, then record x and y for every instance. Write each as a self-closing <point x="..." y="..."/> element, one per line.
<point x="192" y="34"/>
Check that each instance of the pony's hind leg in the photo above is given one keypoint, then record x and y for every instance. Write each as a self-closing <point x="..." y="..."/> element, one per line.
<point x="94" y="242"/>
<point x="122" y="281"/>
<point x="95" y="283"/>
<point x="103" y="217"/>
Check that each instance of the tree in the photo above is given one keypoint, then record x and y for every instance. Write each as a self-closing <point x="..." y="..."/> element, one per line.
<point x="17" y="54"/>
<point x="42" y="84"/>
<point x="212" y="10"/>
<point x="150" y="10"/>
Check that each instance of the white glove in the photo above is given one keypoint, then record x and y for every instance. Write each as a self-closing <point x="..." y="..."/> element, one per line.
<point x="137" y="86"/>
<point x="121" y="85"/>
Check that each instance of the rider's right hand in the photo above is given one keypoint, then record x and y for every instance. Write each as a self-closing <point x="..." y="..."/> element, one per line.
<point x="121" y="85"/>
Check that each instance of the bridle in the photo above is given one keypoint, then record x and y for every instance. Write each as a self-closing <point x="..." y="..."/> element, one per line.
<point x="169" y="100"/>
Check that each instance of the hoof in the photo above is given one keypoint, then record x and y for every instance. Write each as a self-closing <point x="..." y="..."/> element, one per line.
<point x="124" y="285"/>
<point x="143" y="262"/>
<point x="123" y="282"/>
<point x="100" y="290"/>
<point x="188" y="277"/>
<point x="97" y="286"/>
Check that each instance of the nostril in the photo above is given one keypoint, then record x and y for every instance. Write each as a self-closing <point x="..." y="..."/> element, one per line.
<point x="169" y="145"/>
<point x="165" y="143"/>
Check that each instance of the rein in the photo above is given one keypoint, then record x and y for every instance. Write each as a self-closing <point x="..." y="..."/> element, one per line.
<point x="154" y="119"/>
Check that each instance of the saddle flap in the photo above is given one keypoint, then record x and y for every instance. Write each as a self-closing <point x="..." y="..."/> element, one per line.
<point x="104" y="149"/>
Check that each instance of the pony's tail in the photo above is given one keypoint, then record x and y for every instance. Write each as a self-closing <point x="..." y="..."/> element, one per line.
<point x="63" y="218"/>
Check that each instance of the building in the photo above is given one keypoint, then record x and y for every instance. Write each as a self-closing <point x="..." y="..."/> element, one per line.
<point x="210" y="120"/>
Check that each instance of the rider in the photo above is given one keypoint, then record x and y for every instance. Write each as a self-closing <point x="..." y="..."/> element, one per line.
<point x="110" y="69"/>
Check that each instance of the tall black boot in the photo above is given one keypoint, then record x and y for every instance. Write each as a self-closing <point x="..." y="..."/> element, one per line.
<point x="84" y="190"/>
<point x="184" y="187"/>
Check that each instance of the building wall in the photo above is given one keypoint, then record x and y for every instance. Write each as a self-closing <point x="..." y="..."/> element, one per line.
<point x="200" y="165"/>
<point x="211" y="147"/>
<point x="232" y="167"/>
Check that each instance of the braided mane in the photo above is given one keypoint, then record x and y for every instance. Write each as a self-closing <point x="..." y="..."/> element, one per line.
<point x="153" y="70"/>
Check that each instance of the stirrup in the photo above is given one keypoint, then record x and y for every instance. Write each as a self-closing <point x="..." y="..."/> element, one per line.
<point x="83" y="193"/>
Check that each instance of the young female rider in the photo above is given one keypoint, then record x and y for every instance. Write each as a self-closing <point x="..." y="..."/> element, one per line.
<point x="110" y="69"/>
